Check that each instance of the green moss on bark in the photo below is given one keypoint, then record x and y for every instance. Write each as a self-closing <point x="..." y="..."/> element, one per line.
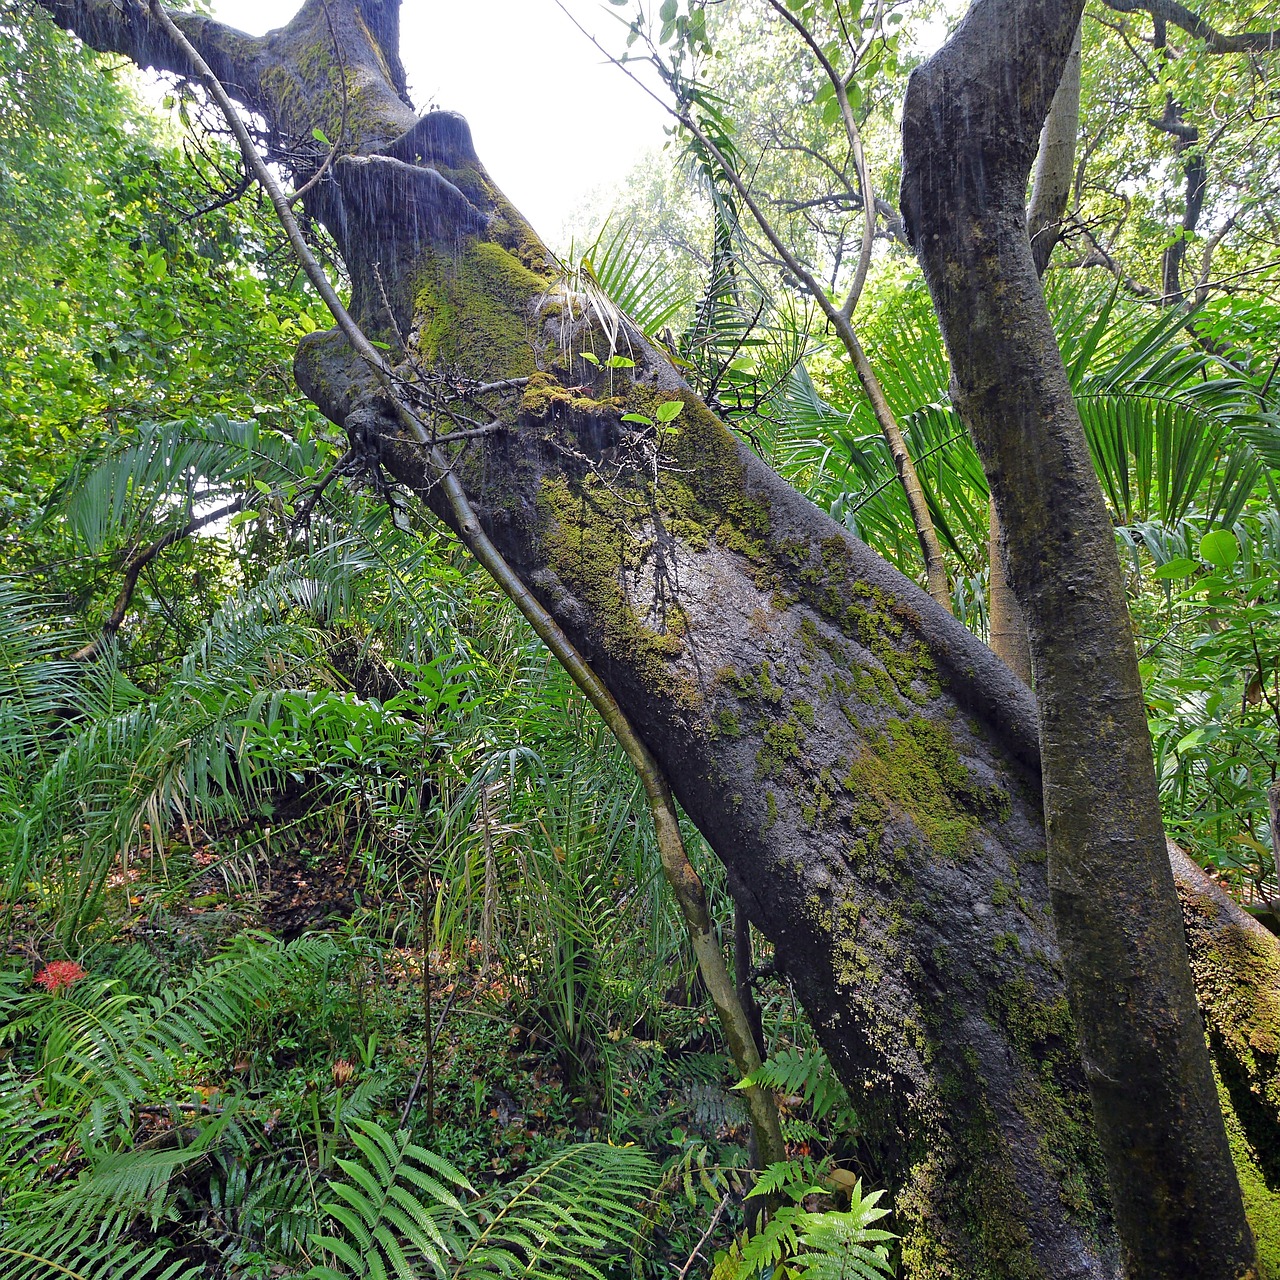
<point x="592" y="551"/>
<point x="1237" y="973"/>
<point x="1260" y="1192"/>
<point x="1043" y="1036"/>
<point x="961" y="1214"/>
<point x="914" y="766"/>
<point x="476" y="311"/>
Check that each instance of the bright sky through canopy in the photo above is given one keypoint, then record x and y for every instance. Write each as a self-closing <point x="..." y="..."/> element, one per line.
<point x="551" y="119"/>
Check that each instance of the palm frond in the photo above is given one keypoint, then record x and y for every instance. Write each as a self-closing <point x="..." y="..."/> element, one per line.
<point x="124" y="481"/>
<point x="634" y="278"/>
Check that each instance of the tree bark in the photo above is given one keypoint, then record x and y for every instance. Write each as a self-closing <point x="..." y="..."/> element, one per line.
<point x="1055" y="162"/>
<point x="971" y="119"/>
<point x="1006" y="627"/>
<point x="865" y="768"/>
<point x="1273" y="813"/>
<point x="1236" y="962"/>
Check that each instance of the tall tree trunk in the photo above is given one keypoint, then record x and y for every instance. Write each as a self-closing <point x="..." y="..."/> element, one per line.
<point x="971" y="119"/>
<point x="1055" y="161"/>
<point x="866" y="769"/>
<point x="1006" y="627"/>
<point x="1050" y="188"/>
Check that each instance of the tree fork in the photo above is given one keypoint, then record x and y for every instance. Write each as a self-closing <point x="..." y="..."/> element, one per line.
<point x="865" y="768"/>
<point x="686" y="886"/>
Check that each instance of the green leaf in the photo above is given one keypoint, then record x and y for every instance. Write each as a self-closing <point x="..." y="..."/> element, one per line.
<point x="1220" y="547"/>
<point x="1179" y="568"/>
<point x="669" y="410"/>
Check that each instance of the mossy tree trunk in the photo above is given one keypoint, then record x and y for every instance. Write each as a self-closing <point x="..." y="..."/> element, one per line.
<point x="865" y="768"/>
<point x="972" y="116"/>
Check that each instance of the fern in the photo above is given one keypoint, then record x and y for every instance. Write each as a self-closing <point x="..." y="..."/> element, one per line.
<point x="807" y="1073"/>
<point x="399" y="1216"/>
<point x="63" y="1257"/>
<point x="117" y="1190"/>
<point x="271" y="1201"/>
<point x="105" y="1049"/>
<point x="844" y="1246"/>
<point x="835" y="1245"/>
<point x="31" y="1132"/>
<point x="564" y="1217"/>
<point x="384" y="1211"/>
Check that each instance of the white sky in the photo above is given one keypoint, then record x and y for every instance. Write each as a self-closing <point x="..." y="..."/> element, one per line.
<point x="551" y="120"/>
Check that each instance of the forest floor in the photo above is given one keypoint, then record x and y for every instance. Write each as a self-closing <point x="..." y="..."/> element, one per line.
<point x="502" y="1089"/>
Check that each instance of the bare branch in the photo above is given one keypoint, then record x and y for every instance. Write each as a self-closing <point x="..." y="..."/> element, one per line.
<point x="1194" y="25"/>
<point x="95" y="648"/>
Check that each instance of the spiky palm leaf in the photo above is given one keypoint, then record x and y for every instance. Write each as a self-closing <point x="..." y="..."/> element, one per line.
<point x="131" y="759"/>
<point x="634" y="278"/>
<point x="130" y="481"/>
<point x="1168" y="434"/>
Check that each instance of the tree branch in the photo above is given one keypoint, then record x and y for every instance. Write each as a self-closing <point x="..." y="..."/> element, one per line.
<point x="1194" y="25"/>
<point x="1055" y="162"/>
<point x="129" y="28"/>
<point x="95" y="648"/>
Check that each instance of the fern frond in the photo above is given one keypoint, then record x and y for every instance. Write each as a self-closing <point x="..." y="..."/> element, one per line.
<point x="564" y="1218"/>
<point x="389" y="1212"/>
<point x="837" y="1245"/>
<point x="66" y="1257"/>
<point x="844" y="1245"/>
<point x="806" y="1073"/>
<point x="104" y="1049"/>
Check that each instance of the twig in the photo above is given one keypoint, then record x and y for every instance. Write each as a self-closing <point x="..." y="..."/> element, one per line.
<point x="316" y="490"/>
<point x="937" y="448"/>
<point x="431" y="1049"/>
<point x="706" y="1235"/>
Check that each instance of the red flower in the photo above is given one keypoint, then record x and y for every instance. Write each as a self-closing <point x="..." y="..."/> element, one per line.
<point x="59" y="975"/>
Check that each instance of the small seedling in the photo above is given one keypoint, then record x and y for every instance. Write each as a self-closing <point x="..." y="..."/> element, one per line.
<point x="666" y="413"/>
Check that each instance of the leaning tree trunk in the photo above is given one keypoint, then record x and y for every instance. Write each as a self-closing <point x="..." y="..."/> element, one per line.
<point x="866" y="769"/>
<point x="970" y="124"/>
